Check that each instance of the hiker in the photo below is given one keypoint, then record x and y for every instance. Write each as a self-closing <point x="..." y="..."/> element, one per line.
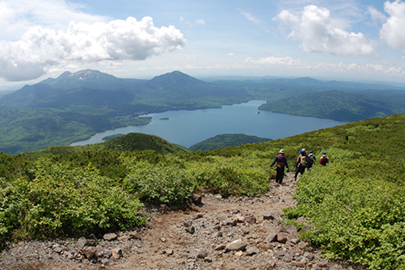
<point x="281" y="162"/>
<point x="324" y="159"/>
<point x="301" y="163"/>
<point x="312" y="159"/>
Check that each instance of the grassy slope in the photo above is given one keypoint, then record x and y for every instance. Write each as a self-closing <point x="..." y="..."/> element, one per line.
<point x="225" y="140"/>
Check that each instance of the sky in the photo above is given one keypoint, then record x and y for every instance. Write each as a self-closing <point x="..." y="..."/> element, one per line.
<point x="353" y="40"/>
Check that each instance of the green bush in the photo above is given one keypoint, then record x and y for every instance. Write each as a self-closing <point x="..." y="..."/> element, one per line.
<point x="61" y="201"/>
<point x="160" y="183"/>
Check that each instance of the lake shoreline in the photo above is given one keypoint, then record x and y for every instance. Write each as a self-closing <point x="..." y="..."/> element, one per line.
<point x="188" y="127"/>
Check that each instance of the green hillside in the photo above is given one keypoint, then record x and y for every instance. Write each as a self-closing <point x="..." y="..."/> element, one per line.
<point x="128" y="142"/>
<point x="356" y="204"/>
<point x="225" y="140"/>
<point x="339" y="105"/>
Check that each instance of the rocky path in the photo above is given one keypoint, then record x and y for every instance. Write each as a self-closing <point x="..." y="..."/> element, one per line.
<point x="218" y="233"/>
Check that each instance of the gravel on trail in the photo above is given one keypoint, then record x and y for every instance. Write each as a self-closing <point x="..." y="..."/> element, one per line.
<point x="212" y="233"/>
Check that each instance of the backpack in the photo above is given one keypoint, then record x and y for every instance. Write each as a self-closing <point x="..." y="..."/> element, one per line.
<point x="311" y="158"/>
<point x="323" y="160"/>
<point x="303" y="161"/>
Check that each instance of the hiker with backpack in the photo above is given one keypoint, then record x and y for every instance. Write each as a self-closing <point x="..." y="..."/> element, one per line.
<point x="324" y="159"/>
<point x="312" y="159"/>
<point x="281" y="162"/>
<point x="301" y="163"/>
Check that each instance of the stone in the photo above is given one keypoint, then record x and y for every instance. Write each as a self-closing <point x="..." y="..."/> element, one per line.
<point x="218" y="234"/>
<point x="295" y="240"/>
<point x="239" y="254"/>
<point x="91" y="242"/>
<point x="322" y="264"/>
<point x="104" y="261"/>
<point x="135" y="235"/>
<point x="190" y="230"/>
<point x="116" y="253"/>
<point x="271" y="216"/>
<point x="57" y="249"/>
<point x="107" y="254"/>
<point x="288" y="257"/>
<point x="232" y="222"/>
<point x="197" y="199"/>
<point x="250" y="220"/>
<point x="272" y="237"/>
<point x="202" y="254"/>
<point x="291" y="229"/>
<point x="235" y="211"/>
<point x="99" y="251"/>
<point x="208" y="259"/>
<point x="169" y="252"/>
<point x="252" y="251"/>
<point x="280" y="254"/>
<point x="187" y="223"/>
<point x="301" y="263"/>
<point x="281" y="239"/>
<point x="240" y="219"/>
<point x="110" y="236"/>
<point x="81" y="242"/>
<point x="309" y="256"/>
<point x="220" y="247"/>
<point x="236" y="245"/>
<point x="89" y="252"/>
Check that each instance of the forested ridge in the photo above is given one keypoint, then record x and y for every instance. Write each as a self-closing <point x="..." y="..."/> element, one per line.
<point x="75" y="106"/>
<point x="355" y="203"/>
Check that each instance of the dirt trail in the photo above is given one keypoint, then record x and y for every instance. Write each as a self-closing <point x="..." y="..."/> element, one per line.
<point x="196" y="239"/>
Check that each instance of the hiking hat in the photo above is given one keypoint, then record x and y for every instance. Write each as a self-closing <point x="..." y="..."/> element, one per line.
<point x="302" y="151"/>
<point x="281" y="151"/>
<point x="324" y="153"/>
<point x="310" y="151"/>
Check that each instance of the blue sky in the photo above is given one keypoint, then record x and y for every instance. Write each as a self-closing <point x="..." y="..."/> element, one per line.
<point x="344" y="40"/>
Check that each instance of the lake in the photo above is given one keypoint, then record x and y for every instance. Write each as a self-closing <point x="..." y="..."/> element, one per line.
<point x="187" y="128"/>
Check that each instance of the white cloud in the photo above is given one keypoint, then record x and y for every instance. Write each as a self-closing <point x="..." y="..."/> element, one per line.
<point x="249" y="17"/>
<point x="318" y="32"/>
<point x="375" y="14"/>
<point x="200" y="22"/>
<point x="16" y="17"/>
<point x="41" y="47"/>
<point x="283" y="61"/>
<point x="392" y="31"/>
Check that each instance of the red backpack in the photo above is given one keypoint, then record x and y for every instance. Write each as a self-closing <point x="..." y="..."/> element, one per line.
<point x="324" y="160"/>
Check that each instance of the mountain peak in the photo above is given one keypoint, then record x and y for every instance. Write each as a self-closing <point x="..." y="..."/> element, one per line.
<point x="174" y="78"/>
<point x="84" y="74"/>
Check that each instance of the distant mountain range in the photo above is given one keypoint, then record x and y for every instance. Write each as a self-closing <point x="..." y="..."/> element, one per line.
<point x="75" y="106"/>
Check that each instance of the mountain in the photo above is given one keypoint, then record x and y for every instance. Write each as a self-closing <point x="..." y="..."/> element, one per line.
<point x="339" y="105"/>
<point x="225" y="140"/>
<point x="75" y="106"/>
